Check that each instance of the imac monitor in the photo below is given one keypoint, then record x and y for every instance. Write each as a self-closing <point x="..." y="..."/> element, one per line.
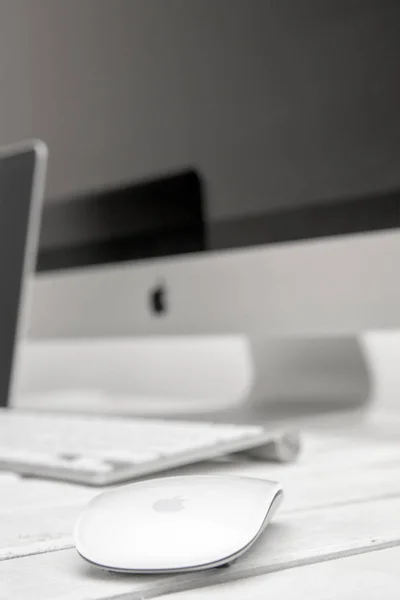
<point x="291" y="123"/>
<point x="295" y="133"/>
<point x="22" y="176"/>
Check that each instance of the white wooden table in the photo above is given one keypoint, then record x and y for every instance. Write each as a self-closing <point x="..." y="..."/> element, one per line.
<point x="336" y="536"/>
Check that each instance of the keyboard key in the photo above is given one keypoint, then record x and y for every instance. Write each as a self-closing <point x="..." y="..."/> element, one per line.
<point x="90" y="464"/>
<point x="124" y="456"/>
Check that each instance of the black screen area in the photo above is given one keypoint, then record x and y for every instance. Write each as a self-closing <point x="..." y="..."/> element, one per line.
<point x="16" y="179"/>
<point x="292" y="113"/>
<point x="162" y="216"/>
<point x="165" y="217"/>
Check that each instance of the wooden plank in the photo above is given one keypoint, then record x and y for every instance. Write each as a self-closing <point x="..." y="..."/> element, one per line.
<point x="370" y="576"/>
<point x="28" y="493"/>
<point x="23" y="533"/>
<point x="291" y="541"/>
<point x="37" y="516"/>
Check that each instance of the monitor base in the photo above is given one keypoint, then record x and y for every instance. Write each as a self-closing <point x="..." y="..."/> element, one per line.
<point x="221" y="376"/>
<point x="305" y="376"/>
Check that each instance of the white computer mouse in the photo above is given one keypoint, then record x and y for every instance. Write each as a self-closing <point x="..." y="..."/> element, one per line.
<point x="175" y="524"/>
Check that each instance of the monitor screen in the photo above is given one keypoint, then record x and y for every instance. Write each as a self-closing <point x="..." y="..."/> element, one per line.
<point x="289" y="116"/>
<point x="16" y="181"/>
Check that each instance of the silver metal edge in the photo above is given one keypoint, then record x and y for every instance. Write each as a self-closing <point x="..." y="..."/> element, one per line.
<point x="34" y="220"/>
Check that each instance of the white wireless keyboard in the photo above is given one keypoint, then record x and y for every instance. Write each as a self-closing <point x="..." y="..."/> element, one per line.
<point x="103" y="450"/>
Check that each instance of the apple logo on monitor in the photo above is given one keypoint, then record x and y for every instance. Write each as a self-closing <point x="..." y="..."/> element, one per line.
<point x="174" y="504"/>
<point x="158" y="299"/>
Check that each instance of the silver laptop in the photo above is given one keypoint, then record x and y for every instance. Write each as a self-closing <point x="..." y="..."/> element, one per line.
<point x="22" y="180"/>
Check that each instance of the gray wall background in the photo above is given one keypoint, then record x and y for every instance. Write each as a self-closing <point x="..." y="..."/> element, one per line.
<point x="276" y="102"/>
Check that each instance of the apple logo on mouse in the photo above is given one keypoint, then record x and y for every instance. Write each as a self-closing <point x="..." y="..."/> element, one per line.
<point x="174" y="504"/>
<point x="158" y="299"/>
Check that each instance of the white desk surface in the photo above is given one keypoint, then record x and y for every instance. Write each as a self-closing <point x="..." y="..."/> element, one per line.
<point x="336" y="536"/>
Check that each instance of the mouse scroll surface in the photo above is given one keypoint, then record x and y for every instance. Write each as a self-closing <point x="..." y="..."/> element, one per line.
<point x="175" y="523"/>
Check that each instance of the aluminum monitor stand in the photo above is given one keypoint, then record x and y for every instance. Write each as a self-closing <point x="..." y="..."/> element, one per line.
<point x="308" y="376"/>
<point x="219" y="375"/>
